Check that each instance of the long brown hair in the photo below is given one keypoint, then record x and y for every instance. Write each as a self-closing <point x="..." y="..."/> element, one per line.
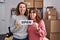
<point x="17" y="9"/>
<point x="38" y="14"/>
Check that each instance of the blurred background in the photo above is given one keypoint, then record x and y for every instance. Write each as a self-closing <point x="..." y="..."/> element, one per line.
<point x="50" y="13"/>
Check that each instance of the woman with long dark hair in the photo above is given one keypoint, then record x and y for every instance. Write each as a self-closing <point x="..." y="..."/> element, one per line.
<point x="37" y="30"/>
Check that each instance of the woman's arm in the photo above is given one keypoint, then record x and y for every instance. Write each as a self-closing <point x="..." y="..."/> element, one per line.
<point x="13" y="27"/>
<point x="41" y="31"/>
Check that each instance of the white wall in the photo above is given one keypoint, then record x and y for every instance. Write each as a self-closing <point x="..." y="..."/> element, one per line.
<point x="55" y="3"/>
<point x="5" y="11"/>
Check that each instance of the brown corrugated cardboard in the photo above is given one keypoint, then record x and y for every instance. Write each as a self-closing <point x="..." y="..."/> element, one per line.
<point x="28" y="0"/>
<point x="50" y="13"/>
<point x="33" y="0"/>
<point x="29" y="4"/>
<point x="47" y="25"/>
<point x="55" y="36"/>
<point x="38" y="0"/>
<point x="50" y="17"/>
<point x="55" y="26"/>
<point x="34" y="3"/>
<point x="38" y="4"/>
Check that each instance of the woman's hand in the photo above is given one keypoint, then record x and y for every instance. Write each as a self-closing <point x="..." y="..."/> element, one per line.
<point x="35" y="25"/>
<point x="17" y="24"/>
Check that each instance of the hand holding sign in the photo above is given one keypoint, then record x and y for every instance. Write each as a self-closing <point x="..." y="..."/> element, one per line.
<point x="23" y="22"/>
<point x="35" y="25"/>
<point x="17" y="24"/>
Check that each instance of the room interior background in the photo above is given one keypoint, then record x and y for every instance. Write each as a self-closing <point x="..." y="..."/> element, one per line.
<point x="7" y="5"/>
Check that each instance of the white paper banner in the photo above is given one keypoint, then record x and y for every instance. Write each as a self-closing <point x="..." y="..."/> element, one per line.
<point x="26" y="22"/>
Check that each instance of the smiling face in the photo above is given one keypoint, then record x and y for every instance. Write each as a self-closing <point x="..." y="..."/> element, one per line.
<point x="32" y="15"/>
<point x="22" y="9"/>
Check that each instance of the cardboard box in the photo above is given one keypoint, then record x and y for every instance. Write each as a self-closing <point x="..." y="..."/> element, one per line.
<point x="38" y="0"/>
<point x="55" y="36"/>
<point x="53" y="18"/>
<point x="51" y="13"/>
<point x="28" y="0"/>
<point x="46" y="15"/>
<point x="33" y="0"/>
<point x="52" y="26"/>
<point x="50" y="7"/>
<point x="55" y="26"/>
<point x="47" y="25"/>
<point x="50" y="17"/>
<point x="39" y="4"/>
<point x="34" y="3"/>
<point x="29" y="4"/>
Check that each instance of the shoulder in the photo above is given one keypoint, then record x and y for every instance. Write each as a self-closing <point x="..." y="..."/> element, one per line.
<point x="26" y="17"/>
<point x="41" y="21"/>
<point x="22" y="17"/>
<point x="14" y="16"/>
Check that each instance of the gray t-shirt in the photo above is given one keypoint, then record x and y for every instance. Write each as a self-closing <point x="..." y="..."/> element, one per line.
<point x="21" y="31"/>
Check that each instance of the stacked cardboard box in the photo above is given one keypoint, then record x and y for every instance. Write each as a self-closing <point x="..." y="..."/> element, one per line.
<point x="34" y="3"/>
<point x="38" y="0"/>
<point x="38" y="4"/>
<point x="53" y="29"/>
<point x="29" y="3"/>
<point x="51" y="13"/>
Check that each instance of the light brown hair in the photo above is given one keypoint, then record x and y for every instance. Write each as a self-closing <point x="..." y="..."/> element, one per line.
<point x="17" y="9"/>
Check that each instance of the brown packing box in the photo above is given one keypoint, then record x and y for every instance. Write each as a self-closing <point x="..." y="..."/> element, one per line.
<point x="55" y="26"/>
<point x="50" y="7"/>
<point x="47" y="25"/>
<point x="39" y="4"/>
<point x="46" y="15"/>
<point x="34" y="3"/>
<point x="52" y="26"/>
<point x="55" y="36"/>
<point x="52" y="17"/>
<point x="29" y="4"/>
<point x="52" y="12"/>
<point x="38" y="0"/>
<point x="28" y="0"/>
<point x="33" y="0"/>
